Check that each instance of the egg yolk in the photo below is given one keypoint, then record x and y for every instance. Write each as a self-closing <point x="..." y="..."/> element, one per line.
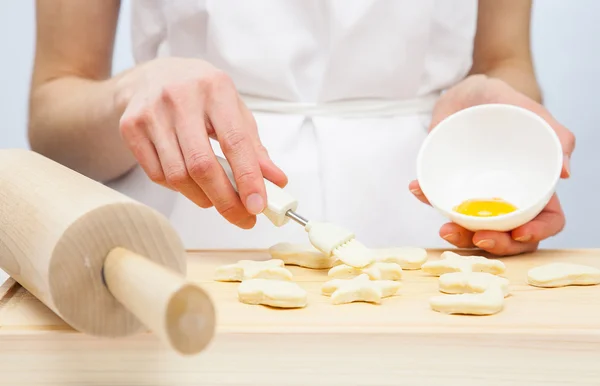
<point x="485" y="207"/>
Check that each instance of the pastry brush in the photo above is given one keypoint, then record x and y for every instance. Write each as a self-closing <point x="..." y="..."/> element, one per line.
<point x="328" y="238"/>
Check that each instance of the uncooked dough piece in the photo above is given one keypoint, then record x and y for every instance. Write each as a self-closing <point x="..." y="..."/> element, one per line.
<point x="471" y="282"/>
<point x="453" y="262"/>
<point x="249" y="269"/>
<point x="274" y="293"/>
<point x="326" y="237"/>
<point x="359" y="289"/>
<point x="562" y="275"/>
<point x="407" y="257"/>
<point x="302" y="255"/>
<point x="486" y="303"/>
<point x="375" y="271"/>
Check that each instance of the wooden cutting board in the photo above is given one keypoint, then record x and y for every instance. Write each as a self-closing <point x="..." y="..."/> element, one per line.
<point x="543" y="337"/>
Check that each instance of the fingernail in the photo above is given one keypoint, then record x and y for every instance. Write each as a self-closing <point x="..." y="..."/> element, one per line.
<point x="255" y="204"/>
<point x="486" y="244"/>
<point x="567" y="162"/>
<point x="451" y="237"/>
<point x="523" y="238"/>
<point x="417" y="192"/>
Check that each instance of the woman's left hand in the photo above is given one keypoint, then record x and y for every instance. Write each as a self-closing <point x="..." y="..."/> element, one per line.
<point x="477" y="90"/>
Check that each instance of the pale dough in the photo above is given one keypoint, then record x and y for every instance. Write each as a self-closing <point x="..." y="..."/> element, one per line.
<point x="359" y="289"/>
<point x="486" y="303"/>
<point x="471" y="282"/>
<point x="326" y="237"/>
<point x="274" y="293"/>
<point x="249" y="269"/>
<point x="375" y="271"/>
<point x="453" y="262"/>
<point x="354" y="254"/>
<point x="407" y="257"/>
<point x="302" y="255"/>
<point x="562" y="275"/>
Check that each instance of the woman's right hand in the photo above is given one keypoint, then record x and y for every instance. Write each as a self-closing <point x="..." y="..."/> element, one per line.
<point x="169" y="108"/>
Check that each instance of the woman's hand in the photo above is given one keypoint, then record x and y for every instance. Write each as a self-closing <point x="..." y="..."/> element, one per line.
<point x="170" y="108"/>
<point x="477" y="90"/>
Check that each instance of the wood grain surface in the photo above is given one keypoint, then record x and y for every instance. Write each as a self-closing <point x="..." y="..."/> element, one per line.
<point x="543" y="337"/>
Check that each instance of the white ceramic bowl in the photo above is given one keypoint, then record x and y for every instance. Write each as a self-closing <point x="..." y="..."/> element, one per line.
<point x="487" y="151"/>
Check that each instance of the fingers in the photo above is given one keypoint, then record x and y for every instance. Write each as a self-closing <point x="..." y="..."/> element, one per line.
<point x="548" y="223"/>
<point x="199" y="160"/>
<point x="497" y="243"/>
<point x="135" y="137"/>
<point x="269" y="170"/>
<point x="415" y="189"/>
<point x="523" y="239"/>
<point x="501" y="243"/>
<point x="173" y="165"/>
<point x="457" y="235"/>
<point x="233" y="134"/>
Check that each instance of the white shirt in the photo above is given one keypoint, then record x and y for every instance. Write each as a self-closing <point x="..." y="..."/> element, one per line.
<point x="342" y="92"/>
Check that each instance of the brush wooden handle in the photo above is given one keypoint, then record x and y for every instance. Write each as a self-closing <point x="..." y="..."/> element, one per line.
<point x="279" y="202"/>
<point x="57" y="228"/>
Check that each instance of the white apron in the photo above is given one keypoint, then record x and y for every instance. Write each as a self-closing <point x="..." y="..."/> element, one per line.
<point x="342" y="92"/>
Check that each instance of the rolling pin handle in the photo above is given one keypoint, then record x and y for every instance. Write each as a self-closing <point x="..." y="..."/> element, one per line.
<point x="180" y="313"/>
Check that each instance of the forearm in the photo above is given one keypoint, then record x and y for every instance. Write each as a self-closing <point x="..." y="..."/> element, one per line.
<point x="74" y="121"/>
<point x="502" y="44"/>
<point x="517" y="73"/>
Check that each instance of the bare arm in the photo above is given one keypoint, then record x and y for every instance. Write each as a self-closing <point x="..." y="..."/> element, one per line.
<point x="502" y="44"/>
<point x="72" y="117"/>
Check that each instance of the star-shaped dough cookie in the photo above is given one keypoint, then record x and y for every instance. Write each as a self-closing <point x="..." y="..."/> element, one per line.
<point x="375" y="271"/>
<point x="453" y="262"/>
<point x="359" y="289"/>
<point x="301" y="255"/>
<point x="250" y="269"/>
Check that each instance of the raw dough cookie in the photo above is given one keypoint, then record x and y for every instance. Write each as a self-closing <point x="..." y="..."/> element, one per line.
<point x="453" y="262"/>
<point x="471" y="282"/>
<point x="249" y="269"/>
<point x="274" y="293"/>
<point x="375" y="271"/>
<point x="562" y="275"/>
<point x="359" y="289"/>
<point x="406" y="257"/>
<point x="302" y="255"/>
<point x="487" y="303"/>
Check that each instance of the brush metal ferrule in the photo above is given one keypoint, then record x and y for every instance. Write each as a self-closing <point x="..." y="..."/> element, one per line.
<point x="296" y="217"/>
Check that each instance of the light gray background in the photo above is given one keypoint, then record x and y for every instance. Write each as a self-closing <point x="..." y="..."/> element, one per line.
<point x="566" y="46"/>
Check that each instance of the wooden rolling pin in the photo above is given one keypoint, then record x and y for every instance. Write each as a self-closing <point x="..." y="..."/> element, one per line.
<point x="108" y="265"/>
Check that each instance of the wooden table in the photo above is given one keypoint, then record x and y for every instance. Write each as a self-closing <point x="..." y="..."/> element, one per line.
<point x="543" y="337"/>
